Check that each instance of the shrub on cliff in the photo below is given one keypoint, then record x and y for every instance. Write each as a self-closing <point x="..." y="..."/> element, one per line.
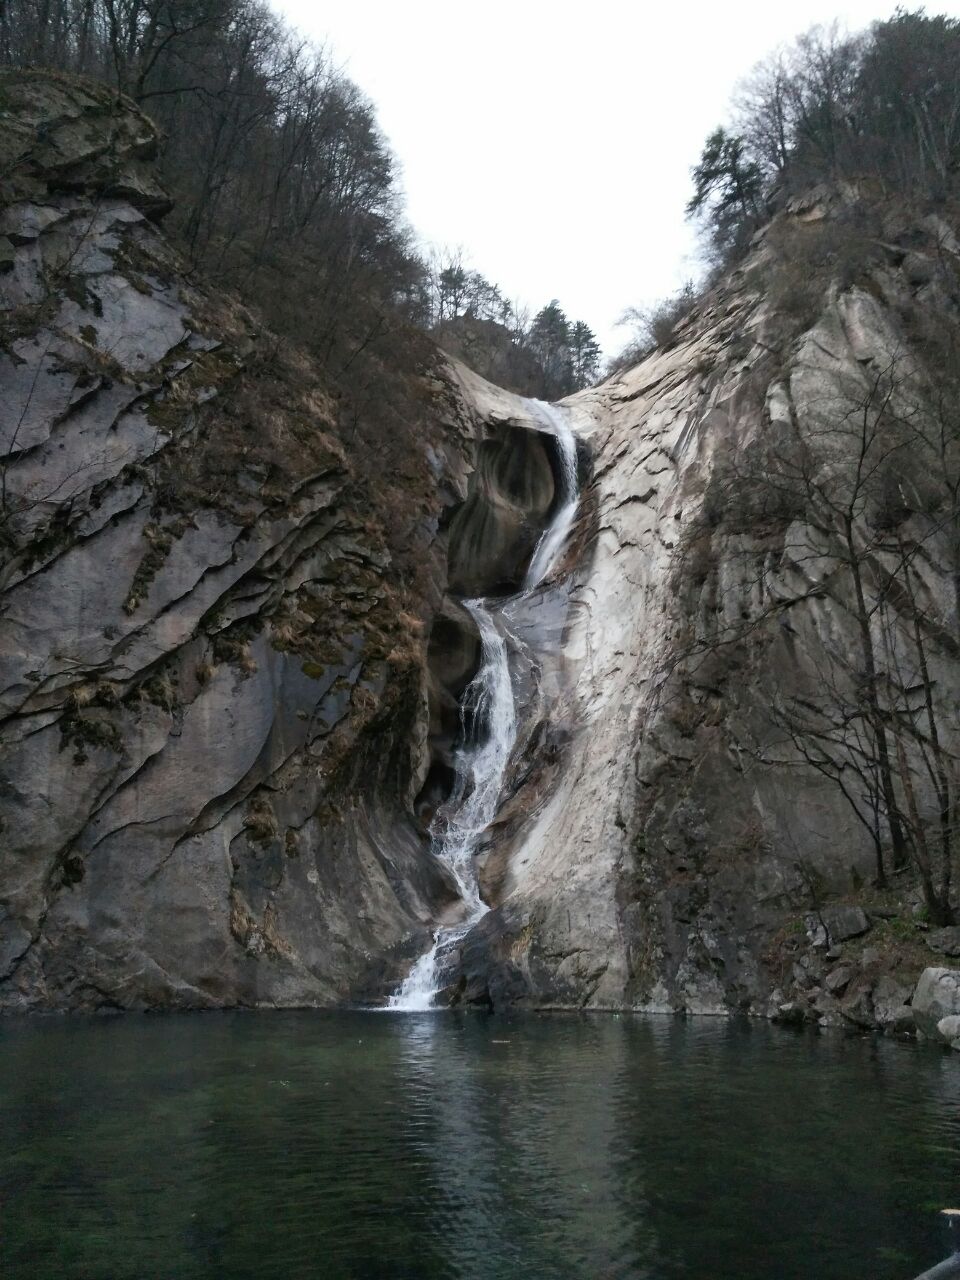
<point x="653" y="326"/>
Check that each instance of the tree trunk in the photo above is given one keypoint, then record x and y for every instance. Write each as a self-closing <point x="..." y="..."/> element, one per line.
<point x="897" y="839"/>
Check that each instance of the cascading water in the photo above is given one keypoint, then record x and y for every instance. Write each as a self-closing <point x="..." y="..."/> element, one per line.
<point x="488" y="703"/>
<point x="489" y="710"/>
<point x="555" y="535"/>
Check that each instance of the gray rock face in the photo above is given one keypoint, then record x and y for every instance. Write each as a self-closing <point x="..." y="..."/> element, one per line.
<point x="653" y="865"/>
<point x="936" y="1004"/>
<point x="61" y="135"/>
<point x="212" y="696"/>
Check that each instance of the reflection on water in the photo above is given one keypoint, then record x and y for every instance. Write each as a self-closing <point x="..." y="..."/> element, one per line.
<point x="423" y="1146"/>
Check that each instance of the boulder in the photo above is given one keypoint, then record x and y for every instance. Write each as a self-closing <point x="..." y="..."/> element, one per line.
<point x="828" y="1009"/>
<point x="901" y="1022"/>
<point x="890" y="998"/>
<point x="857" y="1006"/>
<point x="936" y="999"/>
<point x="816" y="932"/>
<point x="838" y="979"/>
<point x="842" y="923"/>
<point x="945" y="942"/>
<point x="791" y="1013"/>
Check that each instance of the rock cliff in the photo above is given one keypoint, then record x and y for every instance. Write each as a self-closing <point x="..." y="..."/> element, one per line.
<point x="664" y="862"/>
<point x="229" y="716"/>
<point x="212" y="693"/>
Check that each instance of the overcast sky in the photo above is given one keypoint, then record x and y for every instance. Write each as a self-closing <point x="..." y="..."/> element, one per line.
<point x="554" y="140"/>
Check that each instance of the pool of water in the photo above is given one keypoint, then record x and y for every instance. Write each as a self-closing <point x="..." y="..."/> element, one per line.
<point x="359" y="1146"/>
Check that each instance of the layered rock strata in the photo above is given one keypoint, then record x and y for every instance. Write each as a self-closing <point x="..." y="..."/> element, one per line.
<point x="211" y="693"/>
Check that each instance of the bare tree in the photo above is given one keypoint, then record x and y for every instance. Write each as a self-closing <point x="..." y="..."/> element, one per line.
<point x="839" y="480"/>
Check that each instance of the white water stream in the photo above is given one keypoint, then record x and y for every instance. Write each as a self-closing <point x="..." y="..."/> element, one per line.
<point x="488" y="705"/>
<point x="554" y="536"/>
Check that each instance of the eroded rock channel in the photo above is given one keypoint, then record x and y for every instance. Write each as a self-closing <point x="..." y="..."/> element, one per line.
<point x="505" y="543"/>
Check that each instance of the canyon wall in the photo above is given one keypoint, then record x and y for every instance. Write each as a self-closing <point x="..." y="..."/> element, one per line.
<point x="664" y="859"/>
<point x="231" y="708"/>
<point x="213" y="709"/>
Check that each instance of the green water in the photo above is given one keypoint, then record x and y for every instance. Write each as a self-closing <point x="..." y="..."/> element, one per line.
<point x="288" y="1145"/>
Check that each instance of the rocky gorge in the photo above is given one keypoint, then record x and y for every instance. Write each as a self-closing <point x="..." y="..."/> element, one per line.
<point x="231" y="713"/>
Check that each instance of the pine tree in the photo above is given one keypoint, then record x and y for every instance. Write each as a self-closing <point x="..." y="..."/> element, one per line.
<point x="728" y="185"/>
<point x="549" y="342"/>
<point x="585" y="355"/>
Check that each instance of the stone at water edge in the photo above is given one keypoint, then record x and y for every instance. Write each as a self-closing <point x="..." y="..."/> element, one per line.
<point x="890" y="1006"/>
<point x="791" y="1013"/>
<point x="936" y="999"/>
<point x="901" y="1022"/>
<point x="857" y="1005"/>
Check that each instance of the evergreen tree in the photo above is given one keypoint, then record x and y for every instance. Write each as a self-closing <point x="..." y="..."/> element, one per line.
<point x="727" y="184"/>
<point x="585" y="355"/>
<point x="549" y="341"/>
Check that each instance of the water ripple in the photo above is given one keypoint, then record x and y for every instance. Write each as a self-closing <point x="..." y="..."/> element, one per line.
<point x="347" y="1147"/>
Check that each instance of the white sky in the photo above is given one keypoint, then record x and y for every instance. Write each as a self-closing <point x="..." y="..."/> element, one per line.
<point x="553" y="140"/>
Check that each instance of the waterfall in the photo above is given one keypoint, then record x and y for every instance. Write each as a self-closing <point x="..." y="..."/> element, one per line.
<point x="490" y="730"/>
<point x="488" y="706"/>
<point x="555" y="535"/>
